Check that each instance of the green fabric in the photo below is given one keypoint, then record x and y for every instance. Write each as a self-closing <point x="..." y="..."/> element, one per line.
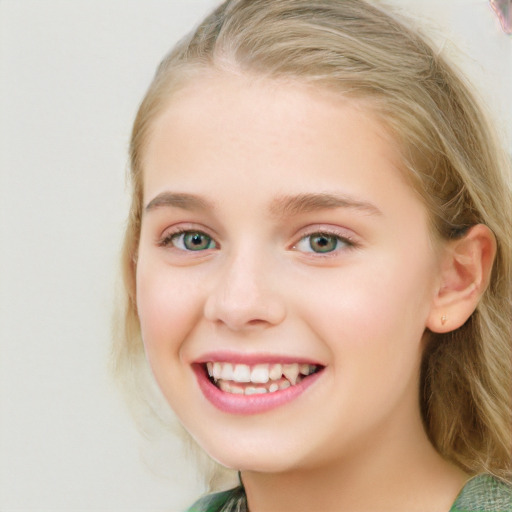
<point x="482" y="493"/>
<point x="227" y="501"/>
<point x="211" y="503"/>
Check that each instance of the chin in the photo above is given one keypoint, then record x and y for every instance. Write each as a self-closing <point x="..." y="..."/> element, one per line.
<point x="261" y="465"/>
<point x="259" y="459"/>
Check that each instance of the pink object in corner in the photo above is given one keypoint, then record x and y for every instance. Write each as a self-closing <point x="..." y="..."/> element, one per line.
<point x="503" y="9"/>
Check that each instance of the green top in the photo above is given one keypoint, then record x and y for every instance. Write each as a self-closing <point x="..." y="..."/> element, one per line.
<point x="482" y="493"/>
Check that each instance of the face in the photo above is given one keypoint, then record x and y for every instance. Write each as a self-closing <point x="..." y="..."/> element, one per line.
<point x="285" y="273"/>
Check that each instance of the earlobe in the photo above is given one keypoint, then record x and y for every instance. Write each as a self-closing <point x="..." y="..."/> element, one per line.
<point x="464" y="275"/>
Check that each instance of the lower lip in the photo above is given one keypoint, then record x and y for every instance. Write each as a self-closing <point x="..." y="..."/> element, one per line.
<point x="249" y="404"/>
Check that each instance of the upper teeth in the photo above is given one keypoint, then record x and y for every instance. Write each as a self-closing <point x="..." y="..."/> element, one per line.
<point x="258" y="373"/>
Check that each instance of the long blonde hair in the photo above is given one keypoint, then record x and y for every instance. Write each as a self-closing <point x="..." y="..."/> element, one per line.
<point x="454" y="161"/>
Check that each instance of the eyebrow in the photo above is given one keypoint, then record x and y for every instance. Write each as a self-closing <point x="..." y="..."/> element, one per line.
<point x="178" y="200"/>
<point x="303" y="203"/>
<point x="283" y="206"/>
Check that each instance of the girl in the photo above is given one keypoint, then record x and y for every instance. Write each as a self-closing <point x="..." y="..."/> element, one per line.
<point x="317" y="262"/>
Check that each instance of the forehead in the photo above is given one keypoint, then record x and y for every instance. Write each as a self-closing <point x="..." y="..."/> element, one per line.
<point x="253" y="132"/>
<point x="278" y="110"/>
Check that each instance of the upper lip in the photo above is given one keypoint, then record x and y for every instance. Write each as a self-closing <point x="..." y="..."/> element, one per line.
<point x="253" y="358"/>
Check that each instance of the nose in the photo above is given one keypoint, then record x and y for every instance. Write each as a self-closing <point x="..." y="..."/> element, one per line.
<point x="245" y="295"/>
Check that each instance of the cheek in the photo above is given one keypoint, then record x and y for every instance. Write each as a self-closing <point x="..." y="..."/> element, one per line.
<point x="373" y="308"/>
<point x="372" y="322"/>
<point x="167" y="307"/>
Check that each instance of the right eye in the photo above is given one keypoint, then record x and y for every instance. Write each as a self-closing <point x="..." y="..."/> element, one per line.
<point x="190" y="241"/>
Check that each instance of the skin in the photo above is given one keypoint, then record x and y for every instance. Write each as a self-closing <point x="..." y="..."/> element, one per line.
<point x="239" y="146"/>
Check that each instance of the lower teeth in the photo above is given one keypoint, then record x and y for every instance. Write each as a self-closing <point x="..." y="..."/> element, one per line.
<point x="235" y="388"/>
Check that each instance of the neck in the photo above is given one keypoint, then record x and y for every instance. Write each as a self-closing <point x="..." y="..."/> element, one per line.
<point x="398" y="471"/>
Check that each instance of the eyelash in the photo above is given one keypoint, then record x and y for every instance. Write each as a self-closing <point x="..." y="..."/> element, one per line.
<point x="342" y="241"/>
<point x="169" y="239"/>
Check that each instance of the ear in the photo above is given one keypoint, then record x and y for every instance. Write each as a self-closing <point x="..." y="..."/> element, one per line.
<point x="465" y="271"/>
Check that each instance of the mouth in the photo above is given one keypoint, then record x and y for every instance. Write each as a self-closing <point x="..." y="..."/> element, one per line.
<point x="248" y="387"/>
<point x="257" y="379"/>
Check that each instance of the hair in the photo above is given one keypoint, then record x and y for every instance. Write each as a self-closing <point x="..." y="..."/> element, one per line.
<point x="451" y="155"/>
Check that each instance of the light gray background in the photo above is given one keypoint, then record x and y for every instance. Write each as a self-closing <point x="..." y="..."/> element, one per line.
<point x="71" y="76"/>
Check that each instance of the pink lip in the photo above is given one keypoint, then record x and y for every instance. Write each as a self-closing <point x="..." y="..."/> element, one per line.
<point x="249" y="404"/>
<point x="251" y="359"/>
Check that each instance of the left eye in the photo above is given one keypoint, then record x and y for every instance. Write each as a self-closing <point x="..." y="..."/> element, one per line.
<point x="192" y="241"/>
<point x="321" y="243"/>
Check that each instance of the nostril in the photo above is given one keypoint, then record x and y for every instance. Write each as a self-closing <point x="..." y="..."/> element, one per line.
<point x="256" y="322"/>
<point x="257" y="313"/>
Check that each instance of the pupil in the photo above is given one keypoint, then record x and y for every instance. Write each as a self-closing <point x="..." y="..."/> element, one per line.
<point x="323" y="243"/>
<point x="196" y="241"/>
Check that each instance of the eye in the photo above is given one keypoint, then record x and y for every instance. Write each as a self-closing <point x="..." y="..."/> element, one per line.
<point x="321" y="243"/>
<point x="190" y="241"/>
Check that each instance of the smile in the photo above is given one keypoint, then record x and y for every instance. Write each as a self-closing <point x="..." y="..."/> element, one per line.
<point x="244" y="379"/>
<point x="249" y="387"/>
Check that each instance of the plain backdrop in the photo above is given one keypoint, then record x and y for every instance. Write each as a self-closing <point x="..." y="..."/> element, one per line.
<point x="72" y="73"/>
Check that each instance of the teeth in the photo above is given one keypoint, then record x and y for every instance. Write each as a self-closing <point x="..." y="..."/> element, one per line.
<point x="273" y="388"/>
<point x="307" y="369"/>
<point x="229" y="388"/>
<point x="291" y="372"/>
<point x="260" y="374"/>
<point x="254" y="391"/>
<point x="241" y="373"/>
<point x="217" y="369"/>
<point x="276" y="372"/>
<point x="227" y="372"/>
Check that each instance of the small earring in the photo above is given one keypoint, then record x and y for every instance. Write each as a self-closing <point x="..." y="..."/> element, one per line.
<point x="443" y="319"/>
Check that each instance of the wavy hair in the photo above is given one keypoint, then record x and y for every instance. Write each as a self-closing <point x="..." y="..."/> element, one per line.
<point x="451" y="155"/>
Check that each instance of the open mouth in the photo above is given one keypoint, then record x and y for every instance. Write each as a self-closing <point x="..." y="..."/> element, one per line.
<point x="244" y="379"/>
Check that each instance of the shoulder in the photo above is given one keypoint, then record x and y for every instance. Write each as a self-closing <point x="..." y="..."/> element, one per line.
<point x="484" y="493"/>
<point x="220" y="502"/>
